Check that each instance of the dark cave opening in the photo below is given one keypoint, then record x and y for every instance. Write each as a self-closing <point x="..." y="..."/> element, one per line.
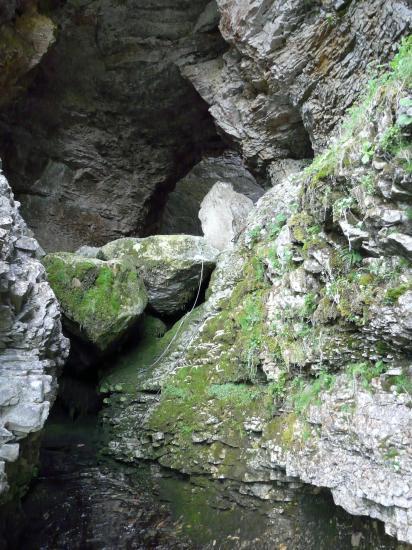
<point x="108" y="124"/>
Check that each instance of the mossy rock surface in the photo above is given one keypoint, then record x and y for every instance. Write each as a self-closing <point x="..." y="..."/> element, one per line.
<point x="171" y="267"/>
<point x="100" y="300"/>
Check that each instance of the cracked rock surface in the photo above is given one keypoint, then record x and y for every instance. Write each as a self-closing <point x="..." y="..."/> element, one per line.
<point x="32" y="346"/>
<point x="292" y="69"/>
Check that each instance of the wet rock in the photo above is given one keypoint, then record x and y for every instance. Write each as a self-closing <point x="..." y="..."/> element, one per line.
<point x="32" y="346"/>
<point x="171" y="267"/>
<point x="223" y="214"/>
<point x="100" y="300"/>
<point x="354" y="234"/>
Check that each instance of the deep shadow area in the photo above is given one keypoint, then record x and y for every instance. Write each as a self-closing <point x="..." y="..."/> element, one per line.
<point x="108" y="123"/>
<point x="83" y="500"/>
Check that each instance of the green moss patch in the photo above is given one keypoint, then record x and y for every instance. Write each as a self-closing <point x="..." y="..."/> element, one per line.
<point x="100" y="300"/>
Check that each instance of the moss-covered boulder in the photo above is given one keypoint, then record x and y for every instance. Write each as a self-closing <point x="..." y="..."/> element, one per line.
<point x="171" y="267"/>
<point x="100" y="300"/>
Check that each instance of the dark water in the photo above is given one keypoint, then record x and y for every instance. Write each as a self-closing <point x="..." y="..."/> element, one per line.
<point x="81" y="500"/>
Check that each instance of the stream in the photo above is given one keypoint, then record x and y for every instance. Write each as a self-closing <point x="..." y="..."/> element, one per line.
<point x="83" y="500"/>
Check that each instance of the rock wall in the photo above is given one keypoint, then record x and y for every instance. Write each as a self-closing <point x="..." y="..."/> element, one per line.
<point x="32" y="347"/>
<point x="297" y="367"/>
<point x="109" y="124"/>
<point x="25" y="36"/>
<point x="292" y="69"/>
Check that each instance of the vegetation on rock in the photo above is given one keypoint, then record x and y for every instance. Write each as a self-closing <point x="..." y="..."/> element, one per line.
<point x="100" y="300"/>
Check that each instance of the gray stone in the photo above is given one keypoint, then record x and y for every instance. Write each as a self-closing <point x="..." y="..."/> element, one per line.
<point x="32" y="347"/>
<point x="355" y="235"/>
<point x="171" y="266"/>
<point x="90" y="252"/>
<point x="223" y="214"/>
<point x="400" y="243"/>
<point x="100" y="300"/>
<point x="9" y="452"/>
<point x="183" y="204"/>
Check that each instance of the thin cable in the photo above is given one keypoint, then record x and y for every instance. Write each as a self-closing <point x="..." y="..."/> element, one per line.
<point x="181" y="322"/>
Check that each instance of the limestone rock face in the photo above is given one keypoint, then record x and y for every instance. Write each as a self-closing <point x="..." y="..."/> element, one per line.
<point x="100" y="300"/>
<point x="183" y="204"/>
<point x="32" y="347"/>
<point x="292" y="69"/>
<point x="110" y="124"/>
<point x="25" y="37"/>
<point x="171" y="267"/>
<point x="297" y="367"/>
<point x="223" y="214"/>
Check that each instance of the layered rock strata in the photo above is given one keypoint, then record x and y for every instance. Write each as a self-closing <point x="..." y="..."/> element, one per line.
<point x="298" y="365"/>
<point x="292" y="70"/>
<point x="32" y="347"/>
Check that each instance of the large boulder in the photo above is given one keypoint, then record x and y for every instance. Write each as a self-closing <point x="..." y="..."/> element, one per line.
<point x="100" y="300"/>
<point x="183" y="204"/>
<point x="171" y="266"/>
<point x="223" y="214"/>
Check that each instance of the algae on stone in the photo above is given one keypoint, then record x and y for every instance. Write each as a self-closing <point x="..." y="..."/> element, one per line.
<point x="100" y="300"/>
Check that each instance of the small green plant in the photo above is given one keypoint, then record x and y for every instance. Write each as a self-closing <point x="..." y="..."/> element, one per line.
<point x="307" y="394"/>
<point x="277" y="389"/>
<point x="314" y="230"/>
<point x="252" y="313"/>
<point x="259" y="268"/>
<point x="240" y="394"/>
<point x="393" y="294"/>
<point x="351" y="257"/>
<point x="254" y="234"/>
<point x="276" y="225"/>
<point x="347" y="408"/>
<point x="285" y="258"/>
<point x="323" y="165"/>
<point x="402" y="63"/>
<point x="368" y="184"/>
<point x="368" y="150"/>
<point x="365" y="372"/>
<point x="309" y="305"/>
<point x="391" y="139"/>
<point x="174" y="392"/>
<point x="280" y="262"/>
<point x="391" y="453"/>
<point x="342" y="206"/>
<point x="403" y="384"/>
